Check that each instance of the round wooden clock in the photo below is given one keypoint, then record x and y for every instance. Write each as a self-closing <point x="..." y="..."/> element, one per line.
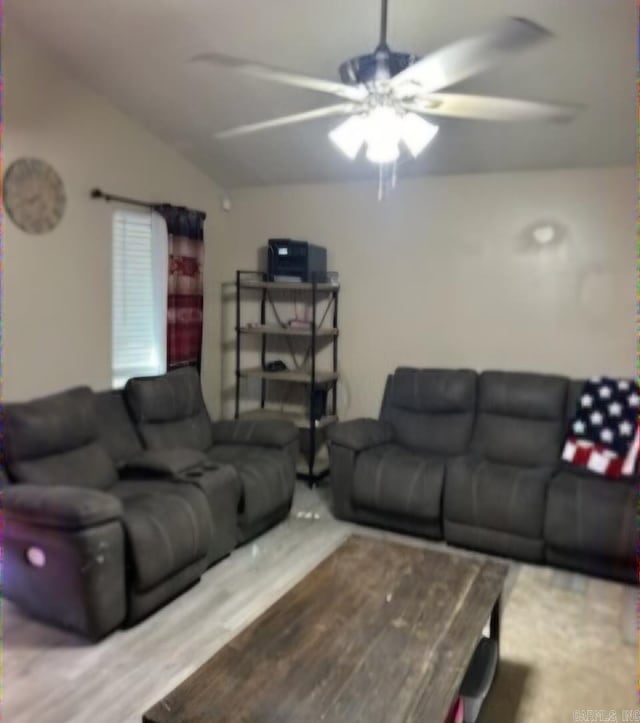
<point x="34" y="195"/>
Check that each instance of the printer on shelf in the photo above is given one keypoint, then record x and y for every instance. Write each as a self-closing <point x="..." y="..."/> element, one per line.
<point x="289" y="260"/>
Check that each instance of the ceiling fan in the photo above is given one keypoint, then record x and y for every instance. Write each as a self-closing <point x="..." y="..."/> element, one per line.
<point x="386" y="93"/>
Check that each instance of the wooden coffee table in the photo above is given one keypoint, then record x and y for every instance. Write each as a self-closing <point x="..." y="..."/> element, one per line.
<point x="377" y="632"/>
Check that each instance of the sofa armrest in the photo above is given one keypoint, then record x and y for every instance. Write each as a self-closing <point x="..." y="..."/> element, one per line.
<point x="59" y="507"/>
<point x="4" y="479"/>
<point x="165" y="462"/>
<point x="360" y="434"/>
<point x="266" y="433"/>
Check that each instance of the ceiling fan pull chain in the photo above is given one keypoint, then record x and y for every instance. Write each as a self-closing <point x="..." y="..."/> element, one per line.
<point x="387" y="177"/>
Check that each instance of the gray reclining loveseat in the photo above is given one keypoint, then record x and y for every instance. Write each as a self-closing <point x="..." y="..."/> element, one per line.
<point x="170" y="413"/>
<point x="476" y="459"/>
<point x="107" y="520"/>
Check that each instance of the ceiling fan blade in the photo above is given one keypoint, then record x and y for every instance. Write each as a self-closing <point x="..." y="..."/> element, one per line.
<point x="482" y="107"/>
<point x="467" y="57"/>
<point x="278" y="75"/>
<point x="339" y="109"/>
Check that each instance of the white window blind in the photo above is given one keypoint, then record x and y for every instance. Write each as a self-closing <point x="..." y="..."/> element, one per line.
<point x="139" y="306"/>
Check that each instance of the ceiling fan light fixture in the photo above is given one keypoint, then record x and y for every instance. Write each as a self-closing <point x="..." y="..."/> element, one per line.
<point x="382" y="129"/>
<point x="385" y="93"/>
<point x="417" y="133"/>
<point x="350" y="135"/>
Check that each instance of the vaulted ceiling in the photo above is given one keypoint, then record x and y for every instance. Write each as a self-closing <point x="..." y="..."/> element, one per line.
<point x="135" y="53"/>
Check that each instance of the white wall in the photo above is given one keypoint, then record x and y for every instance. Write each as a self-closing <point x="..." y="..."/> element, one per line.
<point x="441" y="272"/>
<point x="57" y="287"/>
<point x="437" y="274"/>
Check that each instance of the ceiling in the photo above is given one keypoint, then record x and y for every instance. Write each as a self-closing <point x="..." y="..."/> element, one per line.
<point x="134" y="52"/>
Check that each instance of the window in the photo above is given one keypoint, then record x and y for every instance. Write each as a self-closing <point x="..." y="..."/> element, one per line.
<point x="139" y="302"/>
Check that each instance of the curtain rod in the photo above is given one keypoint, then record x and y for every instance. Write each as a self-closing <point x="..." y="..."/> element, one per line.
<point x="108" y="197"/>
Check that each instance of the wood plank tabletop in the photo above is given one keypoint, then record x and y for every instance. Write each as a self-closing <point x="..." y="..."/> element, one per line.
<point x="378" y="632"/>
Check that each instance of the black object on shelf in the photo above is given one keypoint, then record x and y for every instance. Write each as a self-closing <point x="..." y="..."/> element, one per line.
<point x="321" y="386"/>
<point x="295" y="260"/>
<point x="275" y="366"/>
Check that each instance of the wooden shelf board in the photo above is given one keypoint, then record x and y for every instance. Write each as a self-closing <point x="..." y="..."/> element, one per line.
<point x="288" y="285"/>
<point x="300" y="420"/>
<point x="286" y="331"/>
<point x="289" y="375"/>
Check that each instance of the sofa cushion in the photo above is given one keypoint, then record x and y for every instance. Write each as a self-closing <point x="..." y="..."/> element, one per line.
<point x="59" y="507"/>
<point x="54" y="441"/>
<point x="172" y="461"/>
<point x="262" y="432"/>
<point x="222" y="488"/>
<point x="117" y="432"/>
<point x="521" y="418"/>
<point x="174" y="395"/>
<point x="590" y="515"/>
<point x="360" y="434"/>
<point x="192" y="432"/>
<point x="399" y="481"/>
<point x="88" y="466"/>
<point x="431" y="409"/>
<point x="167" y="527"/>
<point x="50" y="425"/>
<point x="169" y="410"/>
<point x="496" y="496"/>
<point x="495" y="542"/>
<point x="266" y="476"/>
<point x="574" y="392"/>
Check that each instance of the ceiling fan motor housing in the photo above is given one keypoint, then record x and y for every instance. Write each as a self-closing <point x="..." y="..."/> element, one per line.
<point x="381" y="65"/>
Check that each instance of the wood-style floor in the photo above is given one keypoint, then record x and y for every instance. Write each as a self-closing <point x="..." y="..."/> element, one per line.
<point x="53" y="677"/>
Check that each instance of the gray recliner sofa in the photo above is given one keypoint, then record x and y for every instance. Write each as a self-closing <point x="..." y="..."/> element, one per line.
<point x="496" y="493"/>
<point x="170" y="413"/>
<point x="219" y="483"/>
<point x="476" y="459"/>
<point x="101" y="530"/>
<point x="83" y="548"/>
<point x="391" y="471"/>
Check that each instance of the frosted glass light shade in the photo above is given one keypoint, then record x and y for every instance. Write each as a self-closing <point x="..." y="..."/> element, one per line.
<point x="416" y="133"/>
<point x="381" y="130"/>
<point x="383" y="150"/>
<point x="383" y="135"/>
<point x="349" y="136"/>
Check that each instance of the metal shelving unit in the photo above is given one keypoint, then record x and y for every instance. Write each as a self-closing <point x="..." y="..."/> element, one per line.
<point x="304" y="419"/>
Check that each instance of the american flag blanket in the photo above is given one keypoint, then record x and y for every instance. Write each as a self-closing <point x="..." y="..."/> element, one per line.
<point x="603" y="436"/>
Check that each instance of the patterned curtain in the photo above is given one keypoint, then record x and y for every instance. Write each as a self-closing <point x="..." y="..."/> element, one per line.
<point x="185" y="292"/>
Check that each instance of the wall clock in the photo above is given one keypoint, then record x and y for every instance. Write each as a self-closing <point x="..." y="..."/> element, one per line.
<point x="34" y="195"/>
